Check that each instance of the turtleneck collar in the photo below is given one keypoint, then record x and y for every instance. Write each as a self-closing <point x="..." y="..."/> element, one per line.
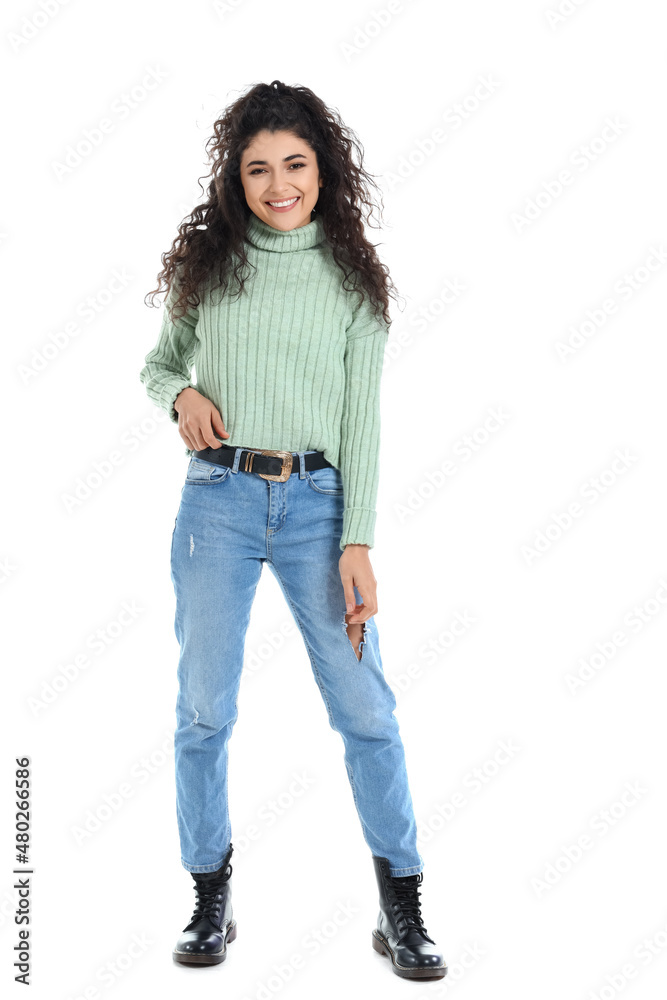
<point x="264" y="236"/>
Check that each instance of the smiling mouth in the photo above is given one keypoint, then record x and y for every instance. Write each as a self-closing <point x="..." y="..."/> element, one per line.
<point x="285" y="203"/>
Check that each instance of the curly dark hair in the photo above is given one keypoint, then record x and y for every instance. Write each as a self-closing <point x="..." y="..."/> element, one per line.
<point x="212" y="236"/>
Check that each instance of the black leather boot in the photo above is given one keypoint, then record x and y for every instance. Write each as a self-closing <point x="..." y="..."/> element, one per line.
<point x="204" y="940"/>
<point x="400" y="932"/>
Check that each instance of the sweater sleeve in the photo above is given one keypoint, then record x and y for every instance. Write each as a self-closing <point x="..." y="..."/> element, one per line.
<point x="360" y="425"/>
<point x="168" y="365"/>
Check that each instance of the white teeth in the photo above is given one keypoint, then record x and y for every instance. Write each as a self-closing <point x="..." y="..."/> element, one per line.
<point x="281" y="204"/>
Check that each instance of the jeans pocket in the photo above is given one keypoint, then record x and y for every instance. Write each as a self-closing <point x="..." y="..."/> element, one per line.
<point x="327" y="480"/>
<point x="200" y="473"/>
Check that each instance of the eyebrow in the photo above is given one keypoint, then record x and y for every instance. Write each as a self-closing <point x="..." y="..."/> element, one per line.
<point x="263" y="163"/>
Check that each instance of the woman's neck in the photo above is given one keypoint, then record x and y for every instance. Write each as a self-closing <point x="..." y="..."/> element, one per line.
<point x="266" y="237"/>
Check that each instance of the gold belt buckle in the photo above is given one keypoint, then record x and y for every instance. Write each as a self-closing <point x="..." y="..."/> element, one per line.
<point x="287" y="465"/>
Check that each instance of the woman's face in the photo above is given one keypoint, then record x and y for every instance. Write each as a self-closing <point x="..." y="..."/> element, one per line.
<point x="279" y="167"/>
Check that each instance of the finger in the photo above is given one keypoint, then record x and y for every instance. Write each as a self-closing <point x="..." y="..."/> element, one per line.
<point x="362" y="614"/>
<point x="186" y="437"/>
<point x="192" y="435"/>
<point x="197" y="437"/>
<point x="357" y="608"/>
<point x="217" y="427"/>
<point x="348" y="592"/>
<point x="351" y="617"/>
<point x="369" y="606"/>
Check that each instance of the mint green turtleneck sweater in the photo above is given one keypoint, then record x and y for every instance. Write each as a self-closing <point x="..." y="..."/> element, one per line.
<point x="292" y="364"/>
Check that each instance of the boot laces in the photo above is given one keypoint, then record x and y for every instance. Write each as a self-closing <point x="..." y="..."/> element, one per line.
<point x="407" y="901"/>
<point x="207" y="892"/>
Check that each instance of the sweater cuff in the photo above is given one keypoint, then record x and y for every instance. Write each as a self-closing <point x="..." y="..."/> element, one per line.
<point x="173" y="388"/>
<point x="358" y="526"/>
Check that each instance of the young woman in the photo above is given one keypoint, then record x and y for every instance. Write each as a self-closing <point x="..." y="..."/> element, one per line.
<point x="281" y="304"/>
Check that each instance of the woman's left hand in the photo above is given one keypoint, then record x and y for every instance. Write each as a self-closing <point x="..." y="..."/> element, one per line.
<point x="356" y="571"/>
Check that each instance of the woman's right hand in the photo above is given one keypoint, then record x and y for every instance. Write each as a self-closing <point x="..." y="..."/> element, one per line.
<point x="198" y="420"/>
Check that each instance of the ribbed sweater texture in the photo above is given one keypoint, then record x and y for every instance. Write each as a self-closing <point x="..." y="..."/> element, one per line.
<point x="294" y="363"/>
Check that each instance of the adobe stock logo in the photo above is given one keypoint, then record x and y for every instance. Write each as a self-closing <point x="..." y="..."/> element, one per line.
<point x="591" y="491"/>
<point x="635" y="621"/>
<point x="600" y="824"/>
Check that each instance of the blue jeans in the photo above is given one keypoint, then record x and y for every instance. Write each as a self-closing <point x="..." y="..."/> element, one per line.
<point x="230" y="523"/>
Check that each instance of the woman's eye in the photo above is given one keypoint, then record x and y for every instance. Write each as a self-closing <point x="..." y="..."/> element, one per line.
<point x="259" y="169"/>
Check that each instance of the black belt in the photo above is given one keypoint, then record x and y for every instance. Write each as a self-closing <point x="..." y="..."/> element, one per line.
<point x="275" y="465"/>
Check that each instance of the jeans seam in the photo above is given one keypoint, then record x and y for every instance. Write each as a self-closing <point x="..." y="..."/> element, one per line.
<point x="400" y="872"/>
<point x="200" y="869"/>
<point x="177" y="615"/>
<point x="356" y="803"/>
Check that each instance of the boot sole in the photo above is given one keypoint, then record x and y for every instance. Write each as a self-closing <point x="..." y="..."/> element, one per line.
<point x="381" y="945"/>
<point x="212" y="958"/>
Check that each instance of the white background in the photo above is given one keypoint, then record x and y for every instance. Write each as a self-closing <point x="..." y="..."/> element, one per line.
<point x="508" y="908"/>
